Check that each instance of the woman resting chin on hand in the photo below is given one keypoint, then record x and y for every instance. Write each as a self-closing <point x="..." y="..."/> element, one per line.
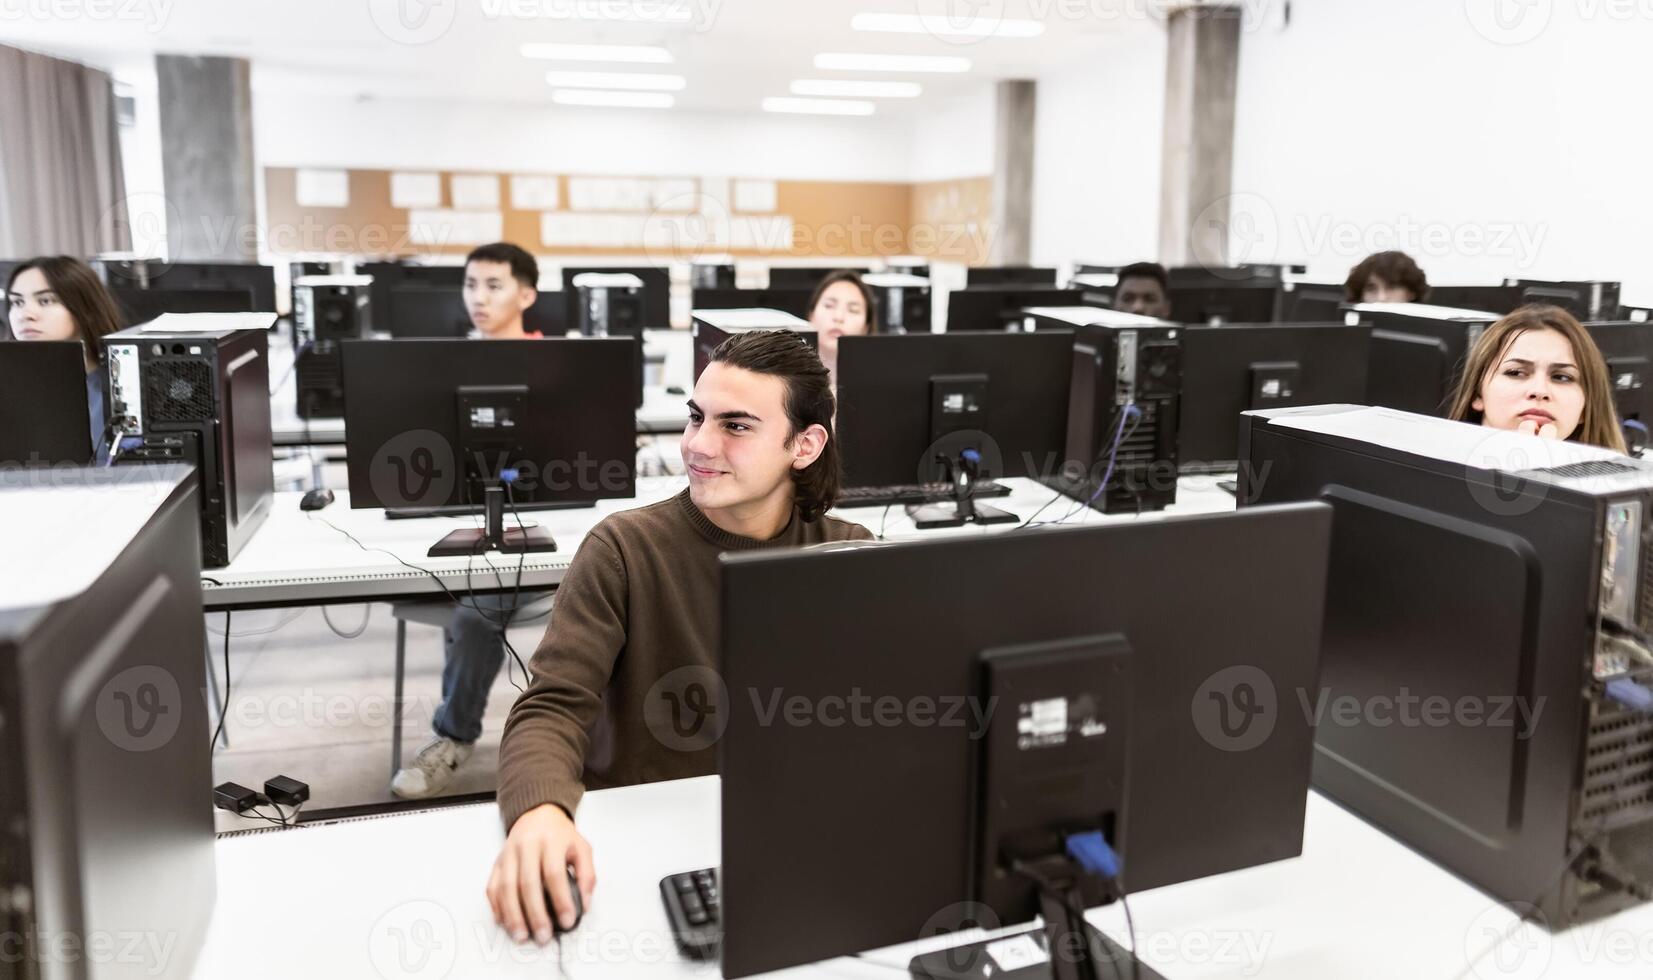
<point x="1538" y="372"/>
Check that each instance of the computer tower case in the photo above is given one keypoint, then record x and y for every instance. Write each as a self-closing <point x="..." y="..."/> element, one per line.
<point x="107" y="865"/>
<point x="903" y="301"/>
<point x="1498" y="584"/>
<point x="200" y="397"/>
<point x="1119" y="359"/>
<point x="1417" y="352"/>
<point x="326" y="310"/>
<point x="712" y="327"/>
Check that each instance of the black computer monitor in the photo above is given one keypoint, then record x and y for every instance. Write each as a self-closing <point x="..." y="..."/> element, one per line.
<point x="44" y="416"/>
<point x="1311" y="302"/>
<point x="1499" y="299"/>
<point x="104" y="762"/>
<point x="430" y="424"/>
<point x="139" y="306"/>
<point x="1009" y="275"/>
<point x="657" y="291"/>
<point x="788" y="300"/>
<point x="1627" y="347"/>
<point x="906" y="402"/>
<point x="1585" y="299"/>
<point x="1162" y="656"/>
<point x="423" y="310"/>
<point x="1239" y="303"/>
<point x="1417" y="353"/>
<point x="233" y="276"/>
<point x="388" y="275"/>
<point x="997" y="309"/>
<point x="1244" y="366"/>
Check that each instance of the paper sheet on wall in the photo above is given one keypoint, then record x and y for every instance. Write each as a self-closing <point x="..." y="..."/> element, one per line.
<point x="559" y="228"/>
<point x="410" y="191"/>
<point x="323" y="189"/>
<point x="755" y="195"/>
<point x="766" y="234"/>
<point x="608" y="194"/>
<point x="534" y="193"/>
<point x="676" y="195"/>
<point x="446" y="227"/>
<point x="475" y="192"/>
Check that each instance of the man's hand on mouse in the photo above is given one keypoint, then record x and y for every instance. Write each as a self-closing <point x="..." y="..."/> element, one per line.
<point x="541" y="846"/>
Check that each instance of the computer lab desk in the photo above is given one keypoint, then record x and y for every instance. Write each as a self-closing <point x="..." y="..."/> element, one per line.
<point x="300" y="558"/>
<point x="402" y="897"/>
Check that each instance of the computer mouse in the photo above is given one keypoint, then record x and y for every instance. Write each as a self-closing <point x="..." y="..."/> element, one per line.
<point x="316" y="499"/>
<point x="579" y="905"/>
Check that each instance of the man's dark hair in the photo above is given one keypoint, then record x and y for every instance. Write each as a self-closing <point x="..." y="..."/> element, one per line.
<point x="1394" y="268"/>
<point x="786" y="355"/>
<point x="1147" y="270"/>
<point x="523" y="267"/>
<point x="854" y="279"/>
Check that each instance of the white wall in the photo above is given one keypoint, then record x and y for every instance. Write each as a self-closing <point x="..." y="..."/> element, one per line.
<point x="954" y="139"/>
<point x="310" y="130"/>
<point x="1402" y="125"/>
<point x="1097" y="151"/>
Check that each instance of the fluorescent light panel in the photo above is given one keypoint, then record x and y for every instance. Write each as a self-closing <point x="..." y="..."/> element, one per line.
<point x="617" y="100"/>
<point x="838" y="61"/>
<point x="628" y="81"/>
<point x="819" y="107"/>
<point x="617" y="53"/>
<point x="939" y="26"/>
<point x="866" y="90"/>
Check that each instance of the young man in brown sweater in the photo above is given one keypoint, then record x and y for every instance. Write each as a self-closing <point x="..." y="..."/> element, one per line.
<point x="640" y="602"/>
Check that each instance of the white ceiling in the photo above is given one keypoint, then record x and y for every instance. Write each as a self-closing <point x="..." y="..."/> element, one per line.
<point x="732" y="52"/>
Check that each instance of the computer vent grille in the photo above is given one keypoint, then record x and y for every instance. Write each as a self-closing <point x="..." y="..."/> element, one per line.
<point x="1618" y="768"/>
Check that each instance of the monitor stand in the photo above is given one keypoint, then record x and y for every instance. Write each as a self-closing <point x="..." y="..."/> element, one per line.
<point x="1081" y="952"/>
<point x="962" y="473"/>
<point x="495" y="536"/>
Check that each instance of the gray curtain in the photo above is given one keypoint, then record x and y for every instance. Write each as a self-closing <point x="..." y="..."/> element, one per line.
<point x="61" y="185"/>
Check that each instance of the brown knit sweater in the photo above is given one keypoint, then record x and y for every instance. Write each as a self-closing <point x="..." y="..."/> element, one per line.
<point x="605" y="707"/>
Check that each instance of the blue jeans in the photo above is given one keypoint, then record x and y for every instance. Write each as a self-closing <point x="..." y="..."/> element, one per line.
<point x="474" y="649"/>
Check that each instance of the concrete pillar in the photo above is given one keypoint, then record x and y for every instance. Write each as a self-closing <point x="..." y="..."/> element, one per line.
<point x="207" y="158"/>
<point x="1013" y="173"/>
<point x="1197" y="159"/>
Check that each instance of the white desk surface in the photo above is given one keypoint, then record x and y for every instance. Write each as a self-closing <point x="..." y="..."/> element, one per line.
<point x="402" y="897"/>
<point x="295" y="558"/>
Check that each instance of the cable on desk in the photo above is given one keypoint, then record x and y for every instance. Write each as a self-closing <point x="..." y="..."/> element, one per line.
<point x="1134" y="415"/>
<point x="224" y="710"/>
<point x="367" y="616"/>
<point x="266" y="630"/>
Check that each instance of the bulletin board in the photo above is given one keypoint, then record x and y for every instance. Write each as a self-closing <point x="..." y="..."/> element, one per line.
<point x="665" y="218"/>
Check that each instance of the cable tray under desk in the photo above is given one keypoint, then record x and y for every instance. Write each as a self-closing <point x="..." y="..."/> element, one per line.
<point x="559" y="563"/>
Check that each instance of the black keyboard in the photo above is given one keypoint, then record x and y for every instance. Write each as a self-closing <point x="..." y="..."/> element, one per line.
<point x="913" y="493"/>
<point x="695" y="910"/>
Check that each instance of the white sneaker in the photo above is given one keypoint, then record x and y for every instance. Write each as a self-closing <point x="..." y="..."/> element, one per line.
<point x="432" y="769"/>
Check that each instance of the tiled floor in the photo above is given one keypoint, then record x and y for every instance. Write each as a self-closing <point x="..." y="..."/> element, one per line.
<point x="312" y="705"/>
